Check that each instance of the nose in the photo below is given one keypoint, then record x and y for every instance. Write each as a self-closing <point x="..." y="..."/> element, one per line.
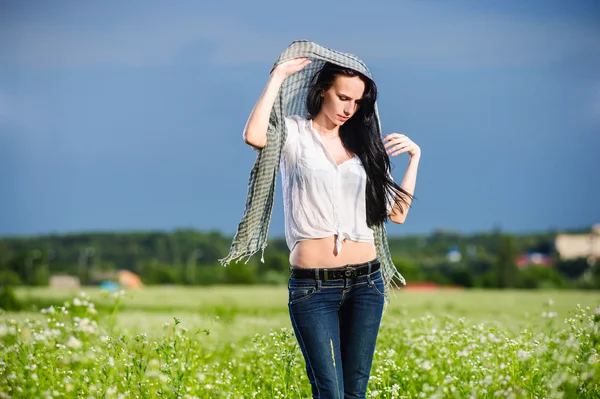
<point x="349" y="108"/>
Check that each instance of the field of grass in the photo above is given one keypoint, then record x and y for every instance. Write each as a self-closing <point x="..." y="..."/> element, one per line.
<point x="237" y="342"/>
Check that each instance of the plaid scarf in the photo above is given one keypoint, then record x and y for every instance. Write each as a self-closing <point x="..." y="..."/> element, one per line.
<point x="251" y="235"/>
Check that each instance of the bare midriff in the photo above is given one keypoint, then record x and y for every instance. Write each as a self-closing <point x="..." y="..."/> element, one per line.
<point x="320" y="253"/>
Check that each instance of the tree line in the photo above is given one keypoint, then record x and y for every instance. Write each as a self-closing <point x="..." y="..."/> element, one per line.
<point x="486" y="260"/>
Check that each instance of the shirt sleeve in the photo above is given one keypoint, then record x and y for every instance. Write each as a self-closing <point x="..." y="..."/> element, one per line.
<point x="292" y="128"/>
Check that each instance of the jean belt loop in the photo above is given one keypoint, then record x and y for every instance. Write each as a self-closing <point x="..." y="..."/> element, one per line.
<point x="369" y="277"/>
<point x="316" y="274"/>
<point x="369" y="268"/>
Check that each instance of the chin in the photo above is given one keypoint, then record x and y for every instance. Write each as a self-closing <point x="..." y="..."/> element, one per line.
<point x="339" y="122"/>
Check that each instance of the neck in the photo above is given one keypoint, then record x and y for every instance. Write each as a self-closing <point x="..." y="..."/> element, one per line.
<point x="324" y="126"/>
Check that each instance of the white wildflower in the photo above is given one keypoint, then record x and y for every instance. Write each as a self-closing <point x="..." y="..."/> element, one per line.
<point x="523" y="355"/>
<point x="74" y="343"/>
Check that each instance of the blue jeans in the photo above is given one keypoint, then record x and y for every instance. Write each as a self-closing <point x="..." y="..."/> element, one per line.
<point x="336" y="324"/>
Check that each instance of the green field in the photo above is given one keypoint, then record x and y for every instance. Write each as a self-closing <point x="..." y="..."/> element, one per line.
<point x="237" y="342"/>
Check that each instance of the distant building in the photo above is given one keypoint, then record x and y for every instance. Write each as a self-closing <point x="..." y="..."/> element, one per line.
<point x="98" y="276"/>
<point x="123" y="278"/>
<point x="453" y="254"/>
<point x="533" y="259"/>
<point x="129" y="279"/>
<point x="472" y="250"/>
<point x="572" y="246"/>
<point x="64" y="282"/>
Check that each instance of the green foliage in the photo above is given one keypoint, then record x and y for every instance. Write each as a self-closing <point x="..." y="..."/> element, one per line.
<point x="462" y="276"/>
<point x="506" y="268"/>
<point x="191" y="257"/>
<point x="410" y="270"/>
<point x="242" y="273"/>
<point x="573" y="268"/>
<point x="158" y="273"/>
<point x="9" y="277"/>
<point x="8" y="301"/>
<point x="540" y="277"/>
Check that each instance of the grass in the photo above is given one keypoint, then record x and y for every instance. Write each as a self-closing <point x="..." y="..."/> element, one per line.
<point x="237" y="342"/>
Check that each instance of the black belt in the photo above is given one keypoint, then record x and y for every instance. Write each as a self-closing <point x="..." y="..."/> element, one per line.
<point x="324" y="274"/>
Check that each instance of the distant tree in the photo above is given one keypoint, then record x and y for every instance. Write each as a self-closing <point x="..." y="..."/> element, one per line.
<point x="242" y="273"/>
<point x="9" y="277"/>
<point x="480" y="265"/>
<point x="488" y="280"/>
<point x="540" y="277"/>
<point x="462" y="276"/>
<point x="160" y="273"/>
<point x="596" y="273"/>
<point x="275" y="261"/>
<point x="8" y="301"/>
<point x="506" y="267"/>
<point x="572" y="268"/>
<point x="189" y="256"/>
<point x="409" y="270"/>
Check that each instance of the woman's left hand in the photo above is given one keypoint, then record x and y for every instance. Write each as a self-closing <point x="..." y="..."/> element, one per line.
<point x="396" y="144"/>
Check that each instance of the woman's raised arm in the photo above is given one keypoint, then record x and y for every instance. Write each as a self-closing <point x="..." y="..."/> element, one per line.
<point x="255" y="132"/>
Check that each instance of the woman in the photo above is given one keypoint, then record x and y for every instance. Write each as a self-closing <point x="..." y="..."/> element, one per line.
<point x="336" y="185"/>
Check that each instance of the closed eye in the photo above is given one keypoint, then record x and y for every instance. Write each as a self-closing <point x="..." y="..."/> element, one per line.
<point x="346" y="99"/>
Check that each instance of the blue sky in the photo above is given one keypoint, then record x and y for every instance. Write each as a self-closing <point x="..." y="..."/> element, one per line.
<point x="129" y="115"/>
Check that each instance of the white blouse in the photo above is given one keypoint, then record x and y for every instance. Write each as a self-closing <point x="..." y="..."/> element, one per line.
<point x="321" y="198"/>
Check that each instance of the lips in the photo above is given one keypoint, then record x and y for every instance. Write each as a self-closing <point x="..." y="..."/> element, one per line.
<point x="344" y="118"/>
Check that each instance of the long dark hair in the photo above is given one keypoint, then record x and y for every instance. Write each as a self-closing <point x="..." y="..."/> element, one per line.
<point x="360" y="135"/>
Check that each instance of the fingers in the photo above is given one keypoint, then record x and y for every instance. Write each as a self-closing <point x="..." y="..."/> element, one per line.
<point x="397" y="143"/>
<point x="296" y="61"/>
<point x="303" y="64"/>
<point x="394" y="139"/>
<point x="399" y="149"/>
<point x="294" y="65"/>
<point x="393" y="135"/>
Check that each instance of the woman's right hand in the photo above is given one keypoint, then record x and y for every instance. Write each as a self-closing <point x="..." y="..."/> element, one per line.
<point x="290" y="67"/>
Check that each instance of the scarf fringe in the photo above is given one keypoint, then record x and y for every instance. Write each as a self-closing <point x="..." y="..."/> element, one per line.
<point x="234" y="255"/>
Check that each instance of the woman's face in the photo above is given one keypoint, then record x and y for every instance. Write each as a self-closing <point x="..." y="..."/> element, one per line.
<point x="342" y="99"/>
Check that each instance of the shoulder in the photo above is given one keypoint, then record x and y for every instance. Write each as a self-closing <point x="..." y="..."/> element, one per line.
<point x="298" y="119"/>
<point x="295" y="123"/>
